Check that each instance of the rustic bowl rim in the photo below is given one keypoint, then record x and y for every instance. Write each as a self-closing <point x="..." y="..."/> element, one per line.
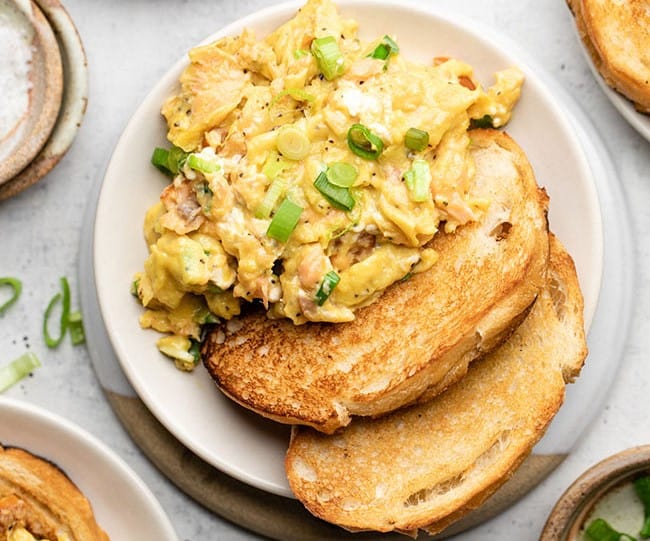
<point x="572" y="507"/>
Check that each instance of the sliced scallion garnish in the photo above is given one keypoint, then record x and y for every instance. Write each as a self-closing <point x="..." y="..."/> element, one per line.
<point x="64" y="297"/>
<point x="486" y="121"/>
<point x="76" y="328"/>
<point x="418" y="181"/>
<point x="198" y="163"/>
<point x="296" y="93"/>
<point x="342" y="174"/>
<point x="338" y="197"/>
<point x="364" y="143"/>
<point x="284" y="220"/>
<point x="299" y="53"/>
<point x="195" y="350"/>
<point x="274" y="165"/>
<point x="169" y="161"/>
<point x="416" y="139"/>
<point x="292" y="143"/>
<point x="12" y="373"/>
<point x="329" y="282"/>
<point x="386" y="48"/>
<point x="642" y="489"/>
<point x="16" y="285"/>
<point x="160" y="158"/>
<point x="328" y="57"/>
<point x="271" y="197"/>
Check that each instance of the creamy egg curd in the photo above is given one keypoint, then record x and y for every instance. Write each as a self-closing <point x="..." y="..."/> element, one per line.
<point x="310" y="171"/>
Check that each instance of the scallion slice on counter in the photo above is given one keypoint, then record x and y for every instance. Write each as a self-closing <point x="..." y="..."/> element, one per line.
<point x="16" y="285"/>
<point x="418" y="181"/>
<point x="416" y="139"/>
<point x="12" y="373"/>
<point x="642" y="489"/>
<point x="364" y="143"/>
<point x="284" y="221"/>
<point x="330" y="281"/>
<point x="76" y="328"/>
<point x="338" y="197"/>
<point x="271" y="197"/>
<point x="64" y="297"/>
<point x="600" y="530"/>
<point x="198" y="163"/>
<point x="386" y="48"/>
<point x="328" y="57"/>
<point x="292" y="143"/>
<point x="342" y="174"/>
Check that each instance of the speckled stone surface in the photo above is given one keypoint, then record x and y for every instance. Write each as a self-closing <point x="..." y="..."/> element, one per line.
<point x="130" y="44"/>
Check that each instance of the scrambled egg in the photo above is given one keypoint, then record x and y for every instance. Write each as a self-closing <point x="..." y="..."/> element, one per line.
<point x="264" y="217"/>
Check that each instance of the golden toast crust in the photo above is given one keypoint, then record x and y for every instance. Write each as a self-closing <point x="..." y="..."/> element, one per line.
<point x="426" y="466"/>
<point x="43" y="498"/>
<point x="421" y="335"/>
<point x="617" y="36"/>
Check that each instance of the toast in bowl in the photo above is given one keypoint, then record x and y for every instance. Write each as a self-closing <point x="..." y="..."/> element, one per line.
<point x="421" y="335"/>
<point x="38" y="500"/>
<point x="426" y="466"/>
<point x="617" y="36"/>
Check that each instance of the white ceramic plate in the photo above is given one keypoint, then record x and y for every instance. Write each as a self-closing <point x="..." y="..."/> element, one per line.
<point x="640" y="122"/>
<point x="123" y="505"/>
<point x="225" y="435"/>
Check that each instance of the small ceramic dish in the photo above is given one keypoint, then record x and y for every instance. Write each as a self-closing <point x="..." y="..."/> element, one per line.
<point x="73" y="103"/>
<point x="30" y="128"/>
<point x="603" y="491"/>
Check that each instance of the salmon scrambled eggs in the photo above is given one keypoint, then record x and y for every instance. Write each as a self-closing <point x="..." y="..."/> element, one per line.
<point x="309" y="172"/>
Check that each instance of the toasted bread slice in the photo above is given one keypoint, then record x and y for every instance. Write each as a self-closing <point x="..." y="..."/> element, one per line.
<point x="426" y="466"/>
<point x="617" y="36"/>
<point x="420" y="336"/>
<point x="37" y="496"/>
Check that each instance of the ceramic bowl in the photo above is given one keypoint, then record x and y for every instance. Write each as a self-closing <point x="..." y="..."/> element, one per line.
<point x="28" y="136"/>
<point x="575" y="506"/>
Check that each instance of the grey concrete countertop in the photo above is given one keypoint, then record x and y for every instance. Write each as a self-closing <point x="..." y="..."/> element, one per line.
<point x="130" y="44"/>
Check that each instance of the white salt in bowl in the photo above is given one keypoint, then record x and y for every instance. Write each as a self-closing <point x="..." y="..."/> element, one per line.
<point x="31" y="84"/>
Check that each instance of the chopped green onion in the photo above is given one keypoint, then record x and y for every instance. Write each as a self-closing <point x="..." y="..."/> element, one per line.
<point x="160" y="158"/>
<point x="284" y="221"/>
<point x="330" y="281"/>
<point x="299" y="53"/>
<point x="64" y="297"/>
<point x="16" y="285"/>
<point x="364" y="143"/>
<point x="338" y="197"/>
<point x="342" y="174"/>
<point x="274" y="165"/>
<point x="418" y="181"/>
<point x="486" y="121"/>
<point x="271" y="197"/>
<point x="386" y="48"/>
<point x="176" y="159"/>
<point x="600" y="530"/>
<point x="76" y="328"/>
<point x="12" y="373"/>
<point x="293" y="143"/>
<point x="198" y="163"/>
<point x="642" y="489"/>
<point x="328" y="57"/>
<point x="195" y="350"/>
<point x="169" y="161"/>
<point x="296" y="93"/>
<point x="416" y="139"/>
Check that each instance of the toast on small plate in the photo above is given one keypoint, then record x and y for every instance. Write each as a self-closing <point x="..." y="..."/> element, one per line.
<point x="38" y="498"/>
<point x="426" y="466"/>
<point x="421" y="335"/>
<point x="617" y="37"/>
